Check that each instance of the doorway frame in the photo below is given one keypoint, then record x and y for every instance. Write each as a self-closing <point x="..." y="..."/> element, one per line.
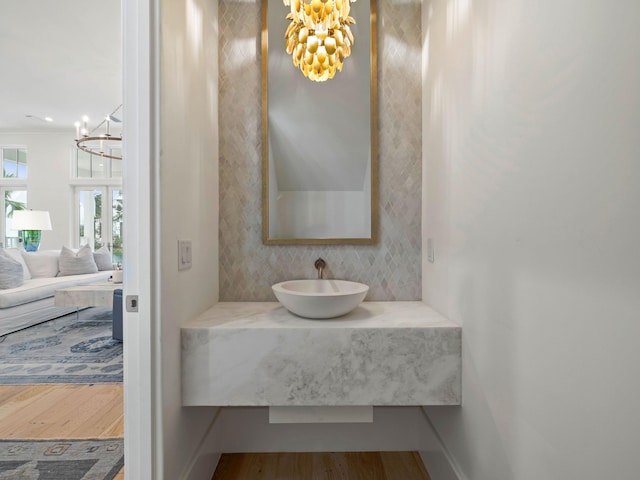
<point x="142" y="367"/>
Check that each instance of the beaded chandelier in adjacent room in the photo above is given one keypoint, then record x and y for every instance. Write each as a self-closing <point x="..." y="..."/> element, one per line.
<point x="319" y="37"/>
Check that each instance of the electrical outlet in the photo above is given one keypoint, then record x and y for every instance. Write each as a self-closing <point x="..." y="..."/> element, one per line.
<point x="184" y="254"/>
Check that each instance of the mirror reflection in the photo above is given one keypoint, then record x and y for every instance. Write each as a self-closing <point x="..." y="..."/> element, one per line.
<point x="319" y="140"/>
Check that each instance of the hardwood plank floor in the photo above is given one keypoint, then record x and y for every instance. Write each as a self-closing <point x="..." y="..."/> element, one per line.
<point x="321" y="466"/>
<point x="62" y="411"/>
<point x="96" y="411"/>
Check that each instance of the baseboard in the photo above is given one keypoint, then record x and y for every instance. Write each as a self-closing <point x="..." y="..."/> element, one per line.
<point x="203" y="467"/>
<point x="440" y="464"/>
<point x="203" y="462"/>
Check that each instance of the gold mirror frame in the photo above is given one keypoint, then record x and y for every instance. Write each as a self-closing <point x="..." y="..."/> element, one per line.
<point x="373" y="239"/>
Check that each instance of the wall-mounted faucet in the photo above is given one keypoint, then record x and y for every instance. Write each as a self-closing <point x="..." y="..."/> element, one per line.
<point x="320" y="264"/>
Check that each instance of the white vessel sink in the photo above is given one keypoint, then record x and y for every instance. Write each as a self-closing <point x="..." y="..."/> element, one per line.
<point x="320" y="298"/>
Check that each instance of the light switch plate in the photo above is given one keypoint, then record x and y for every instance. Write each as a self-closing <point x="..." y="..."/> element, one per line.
<point x="184" y="254"/>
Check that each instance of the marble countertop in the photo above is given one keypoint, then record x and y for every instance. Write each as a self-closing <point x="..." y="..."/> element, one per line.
<point x="240" y="315"/>
<point x="382" y="353"/>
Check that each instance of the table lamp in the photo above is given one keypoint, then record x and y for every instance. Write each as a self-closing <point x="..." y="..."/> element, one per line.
<point x="31" y="223"/>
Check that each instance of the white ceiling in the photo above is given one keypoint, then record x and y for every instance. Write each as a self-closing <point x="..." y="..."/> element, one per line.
<point x="59" y="58"/>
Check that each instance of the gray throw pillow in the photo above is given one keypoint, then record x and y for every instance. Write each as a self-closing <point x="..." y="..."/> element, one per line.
<point x="102" y="257"/>
<point x="11" y="272"/>
<point x="17" y="256"/>
<point x="43" y="263"/>
<point x="72" y="263"/>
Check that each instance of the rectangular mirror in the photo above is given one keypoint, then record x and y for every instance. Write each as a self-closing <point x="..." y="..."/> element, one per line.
<point x="319" y="139"/>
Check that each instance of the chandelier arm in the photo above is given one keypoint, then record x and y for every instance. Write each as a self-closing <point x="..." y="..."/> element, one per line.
<point x="105" y="119"/>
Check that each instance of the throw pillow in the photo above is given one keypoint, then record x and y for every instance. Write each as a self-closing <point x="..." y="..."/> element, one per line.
<point x="11" y="273"/>
<point x="17" y="256"/>
<point x="42" y="264"/>
<point x="102" y="257"/>
<point x="72" y="263"/>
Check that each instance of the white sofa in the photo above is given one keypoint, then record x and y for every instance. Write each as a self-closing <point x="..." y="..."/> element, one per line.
<point x="33" y="301"/>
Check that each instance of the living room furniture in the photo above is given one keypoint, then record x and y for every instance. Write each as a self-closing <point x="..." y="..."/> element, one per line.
<point x="117" y="314"/>
<point x="92" y="295"/>
<point x="31" y="223"/>
<point x="32" y="302"/>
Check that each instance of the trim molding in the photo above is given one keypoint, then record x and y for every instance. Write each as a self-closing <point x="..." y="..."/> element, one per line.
<point x="202" y="463"/>
<point x="456" y="472"/>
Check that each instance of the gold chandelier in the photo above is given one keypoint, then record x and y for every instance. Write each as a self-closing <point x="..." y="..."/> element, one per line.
<point x="319" y="37"/>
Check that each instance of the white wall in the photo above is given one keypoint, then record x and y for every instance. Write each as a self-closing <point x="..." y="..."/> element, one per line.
<point x="532" y="175"/>
<point x="189" y="206"/>
<point x="48" y="183"/>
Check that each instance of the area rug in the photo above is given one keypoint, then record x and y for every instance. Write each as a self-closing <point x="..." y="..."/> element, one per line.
<point x="92" y="459"/>
<point x="63" y="350"/>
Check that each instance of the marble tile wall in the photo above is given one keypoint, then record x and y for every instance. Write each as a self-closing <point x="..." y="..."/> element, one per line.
<point x="392" y="268"/>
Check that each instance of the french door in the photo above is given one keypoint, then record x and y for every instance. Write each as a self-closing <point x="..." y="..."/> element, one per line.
<point x="99" y="218"/>
<point x="11" y="199"/>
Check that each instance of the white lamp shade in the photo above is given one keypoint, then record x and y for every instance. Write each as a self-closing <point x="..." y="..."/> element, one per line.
<point x="31" y="220"/>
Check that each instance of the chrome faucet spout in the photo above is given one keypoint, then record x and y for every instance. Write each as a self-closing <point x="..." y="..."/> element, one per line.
<point x="320" y="264"/>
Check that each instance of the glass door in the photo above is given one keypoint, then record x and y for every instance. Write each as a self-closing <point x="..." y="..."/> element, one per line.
<point x="100" y="214"/>
<point x="12" y="200"/>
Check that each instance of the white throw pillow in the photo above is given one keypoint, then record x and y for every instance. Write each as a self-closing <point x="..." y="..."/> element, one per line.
<point x="42" y="264"/>
<point x="11" y="273"/>
<point x="17" y="256"/>
<point x="102" y="257"/>
<point x="72" y="263"/>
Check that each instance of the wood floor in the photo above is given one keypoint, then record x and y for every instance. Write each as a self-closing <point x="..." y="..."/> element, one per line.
<point x="96" y="411"/>
<point x="321" y="466"/>
<point x="62" y="411"/>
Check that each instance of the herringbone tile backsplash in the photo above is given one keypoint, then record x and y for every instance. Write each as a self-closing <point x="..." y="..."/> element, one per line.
<point x="392" y="268"/>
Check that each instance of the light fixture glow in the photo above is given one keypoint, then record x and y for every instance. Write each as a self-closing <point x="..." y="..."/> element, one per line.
<point x="42" y="119"/>
<point x="319" y="37"/>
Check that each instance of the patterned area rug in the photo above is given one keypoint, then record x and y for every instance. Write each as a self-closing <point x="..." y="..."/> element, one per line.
<point x="95" y="459"/>
<point x="63" y="350"/>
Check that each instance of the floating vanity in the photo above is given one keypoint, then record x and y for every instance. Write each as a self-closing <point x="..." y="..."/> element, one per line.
<point x="382" y="353"/>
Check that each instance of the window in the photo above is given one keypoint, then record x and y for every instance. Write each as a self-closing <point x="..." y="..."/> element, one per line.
<point x="13" y="190"/>
<point x="12" y="200"/>
<point x="14" y="162"/>
<point x="98" y="201"/>
<point x="95" y="166"/>
<point x="100" y="210"/>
